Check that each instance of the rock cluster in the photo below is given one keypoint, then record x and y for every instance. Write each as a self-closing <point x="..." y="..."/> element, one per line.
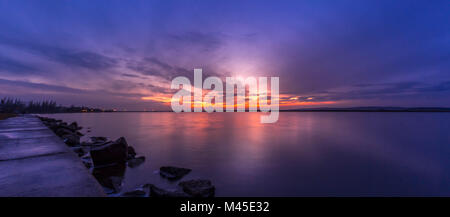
<point x="68" y="132"/>
<point x="173" y="173"/>
<point x="108" y="160"/>
<point x="189" y="188"/>
<point x="198" y="188"/>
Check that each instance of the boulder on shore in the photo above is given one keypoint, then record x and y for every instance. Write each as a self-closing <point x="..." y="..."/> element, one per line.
<point x="159" y="192"/>
<point x="173" y="173"/>
<point x="110" y="153"/>
<point x="80" y="151"/>
<point x="98" y="139"/>
<point x="71" y="139"/>
<point x="131" y="152"/>
<point x="132" y="163"/>
<point x="198" y="188"/>
<point x="63" y="131"/>
<point x="74" y="126"/>
<point x="134" y="193"/>
<point x="110" y="177"/>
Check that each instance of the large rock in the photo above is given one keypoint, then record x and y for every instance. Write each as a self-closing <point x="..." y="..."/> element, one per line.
<point x="71" y="139"/>
<point x="98" y="139"/>
<point x="131" y="152"/>
<point x="173" y="173"/>
<point x="198" y="188"/>
<point x="110" y="177"/>
<point x="61" y="131"/>
<point x="159" y="192"/>
<point x="79" y="151"/>
<point x="74" y="126"/>
<point x="134" y="193"/>
<point x="132" y="163"/>
<point x="110" y="153"/>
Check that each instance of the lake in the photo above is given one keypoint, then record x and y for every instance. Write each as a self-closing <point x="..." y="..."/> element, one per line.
<point x="303" y="154"/>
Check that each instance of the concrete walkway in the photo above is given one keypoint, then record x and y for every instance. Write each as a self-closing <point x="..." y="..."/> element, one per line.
<point x="35" y="162"/>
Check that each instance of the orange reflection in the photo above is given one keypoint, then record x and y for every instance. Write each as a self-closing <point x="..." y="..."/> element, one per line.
<point x="284" y="101"/>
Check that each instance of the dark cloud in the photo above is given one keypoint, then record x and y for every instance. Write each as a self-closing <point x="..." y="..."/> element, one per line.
<point x="130" y="75"/>
<point x="441" y="87"/>
<point x="201" y="40"/>
<point x="65" y="56"/>
<point x="68" y="90"/>
<point x="15" y="67"/>
<point x="156" y="67"/>
<point x="40" y="86"/>
<point x="158" y="63"/>
<point x="377" y="91"/>
<point x="366" y="42"/>
<point x="74" y="96"/>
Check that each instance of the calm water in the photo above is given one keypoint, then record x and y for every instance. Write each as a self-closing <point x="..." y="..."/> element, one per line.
<point x="303" y="154"/>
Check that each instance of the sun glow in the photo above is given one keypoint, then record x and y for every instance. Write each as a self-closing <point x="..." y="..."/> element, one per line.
<point x="289" y="102"/>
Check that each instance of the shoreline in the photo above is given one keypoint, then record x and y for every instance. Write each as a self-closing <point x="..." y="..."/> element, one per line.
<point x="107" y="160"/>
<point x="405" y="110"/>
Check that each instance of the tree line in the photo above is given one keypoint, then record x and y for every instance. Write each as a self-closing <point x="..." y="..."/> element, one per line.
<point x="10" y="105"/>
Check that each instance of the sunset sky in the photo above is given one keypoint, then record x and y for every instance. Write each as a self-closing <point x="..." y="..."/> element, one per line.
<point x="124" y="54"/>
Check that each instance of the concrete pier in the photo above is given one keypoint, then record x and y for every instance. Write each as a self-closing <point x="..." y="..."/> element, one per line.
<point x="34" y="162"/>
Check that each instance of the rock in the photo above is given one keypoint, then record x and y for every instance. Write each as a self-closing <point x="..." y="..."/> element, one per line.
<point x="87" y="144"/>
<point x="132" y="163"/>
<point x="159" y="192"/>
<point x="135" y="193"/>
<point x="131" y="152"/>
<point x="63" y="131"/>
<point x="87" y="161"/>
<point x="198" y="188"/>
<point x="116" y="183"/>
<point x="110" y="177"/>
<point x="87" y="156"/>
<point x="173" y="173"/>
<point x="71" y="139"/>
<point x="87" y="164"/>
<point x="79" y="151"/>
<point x="98" y="139"/>
<point x="73" y="126"/>
<point x="110" y="153"/>
<point x="52" y="125"/>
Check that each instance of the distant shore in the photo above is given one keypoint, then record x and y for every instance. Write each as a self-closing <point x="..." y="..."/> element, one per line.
<point x="372" y="109"/>
<point x="352" y="109"/>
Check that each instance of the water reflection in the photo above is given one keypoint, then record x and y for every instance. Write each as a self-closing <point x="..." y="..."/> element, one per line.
<point x="303" y="154"/>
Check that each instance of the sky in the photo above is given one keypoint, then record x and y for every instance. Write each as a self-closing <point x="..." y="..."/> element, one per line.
<point x="124" y="54"/>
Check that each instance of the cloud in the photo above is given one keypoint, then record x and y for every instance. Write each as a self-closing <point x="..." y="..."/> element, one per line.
<point x="65" y="56"/>
<point x="40" y="86"/>
<point x="15" y="67"/>
<point x="367" y="92"/>
<point x="130" y="75"/>
<point x="346" y="51"/>
<point x="156" y="67"/>
<point x="204" y="41"/>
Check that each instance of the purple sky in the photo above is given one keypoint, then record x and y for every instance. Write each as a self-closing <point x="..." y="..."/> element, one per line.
<point x="112" y="53"/>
